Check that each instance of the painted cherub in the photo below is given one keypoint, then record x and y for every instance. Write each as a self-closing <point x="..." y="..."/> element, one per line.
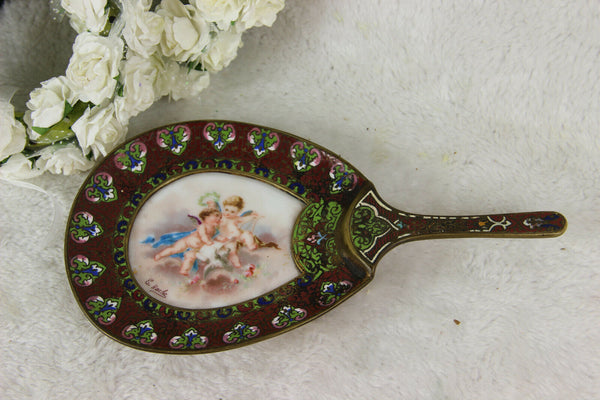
<point x="230" y="231"/>
<point x="210" y="218"/>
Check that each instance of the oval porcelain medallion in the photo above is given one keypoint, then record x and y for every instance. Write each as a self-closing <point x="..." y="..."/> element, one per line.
<point x="213" y="239"/>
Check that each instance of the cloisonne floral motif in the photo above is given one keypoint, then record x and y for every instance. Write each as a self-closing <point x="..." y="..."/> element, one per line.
<point x="313" y="239"/>
<point x="83" y="227"/>
<point x="366" y="227"/>
<point x="174" y="138"/>
<point x="551" y="221"/>
<point x="219" y="134"/>
<point x="141" y="333"/>
<point x="240" y="332"/>
<point x="343" y="178"/>
<point x="83" y="271"/>
<point x="263" y="141"/>
<point x="304" y="156"/>
<point x="288" y="315"/>
<point x="332" y="292"/>
<point x="103" y="310"/>
<point x="133" y="158"/>
<point x="190" y="339"/>
<point x="100" y="188"/>
<point x="488" y="224"/>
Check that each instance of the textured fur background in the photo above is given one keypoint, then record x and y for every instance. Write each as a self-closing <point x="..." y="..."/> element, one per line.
<point x="449" y="108"/>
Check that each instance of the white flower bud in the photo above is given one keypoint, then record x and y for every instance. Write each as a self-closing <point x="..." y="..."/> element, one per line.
<point x="12" y="132"/>
<point x="85" y="15"/>
<point x="186" y="33"/>
<point x="143" y="29"/>
<point x="66" y="160"/>
<point x="99" y="130"/>
<point x="94" y="66"/>
<point x="47" y="103"/>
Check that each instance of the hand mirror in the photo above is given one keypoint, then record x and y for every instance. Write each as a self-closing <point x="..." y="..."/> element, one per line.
<point x="202" y="236"/>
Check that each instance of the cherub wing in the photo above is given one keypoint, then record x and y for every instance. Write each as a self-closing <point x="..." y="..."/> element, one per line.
<point x="198" y="220"/>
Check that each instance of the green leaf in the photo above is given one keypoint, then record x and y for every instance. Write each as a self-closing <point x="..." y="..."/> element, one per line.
<point x="61" y="130"/>
<point x="119" y="89"/>
<point x="77" y="111"/>
<point x="113" y="12"/>
<point x="56" y="133"/>
<point x="200" y="68"/>
<point x="39" y="130"/>
<point x="68" y="109"/>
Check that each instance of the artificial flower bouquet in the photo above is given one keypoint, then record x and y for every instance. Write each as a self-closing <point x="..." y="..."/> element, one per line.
<point x="127" y="55"/>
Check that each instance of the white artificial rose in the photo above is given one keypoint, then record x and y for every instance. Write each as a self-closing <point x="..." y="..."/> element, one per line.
<point x="143" y="28"/>
<point x="142" y="83"/>
<point x="181" y="82"/>
<point x="47" y="103"/>
<point x="12" y="132"/>
<point x="19" y="167"/>
<point x="63" y="159"/>
<point x="94" y="66"/>
<point x="121" y="111"/>
<point x="186" y="33"/>
<point x="221" y="12"/>
<point x="222" y="51"/>
<point x="99" y="130"/>
<point x="260" y="12"/>
<point x="86" y="14"/>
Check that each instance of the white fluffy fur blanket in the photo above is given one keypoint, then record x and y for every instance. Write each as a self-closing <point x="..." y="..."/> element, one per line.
<point x="449" y="108"/>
